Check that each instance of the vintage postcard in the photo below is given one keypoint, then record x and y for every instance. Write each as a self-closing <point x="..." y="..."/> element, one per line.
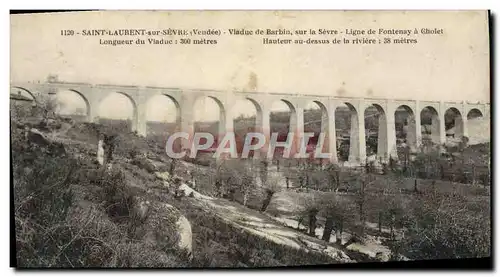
<point x="244" y="139"/>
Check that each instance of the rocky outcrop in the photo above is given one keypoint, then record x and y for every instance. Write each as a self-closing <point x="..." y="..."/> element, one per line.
<point x="185" y="190"/>
<point x="35" y="137"/>
<point x="100" y="152"/>
<point x="162" y="225"/>
<point x="111" y="246"/>
<point x="382" y="256"/>
<point x="185" y="234"/>
<point x="164" y="176"/>
<point x="144" y="163"/>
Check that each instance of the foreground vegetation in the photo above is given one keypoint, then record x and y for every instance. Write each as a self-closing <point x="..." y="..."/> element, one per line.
<point x="427" y="218"/>
<point x="69" y="212"/>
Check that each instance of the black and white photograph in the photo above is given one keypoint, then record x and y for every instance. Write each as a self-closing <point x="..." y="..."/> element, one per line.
<point x="278" y="139"/>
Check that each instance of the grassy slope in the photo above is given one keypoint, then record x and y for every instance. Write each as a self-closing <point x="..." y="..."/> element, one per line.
<point x="212" y="247"/>
<point x="216" y="243"/>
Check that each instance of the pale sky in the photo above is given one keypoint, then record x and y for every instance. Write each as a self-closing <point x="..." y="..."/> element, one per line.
<point x="450" y="67"/>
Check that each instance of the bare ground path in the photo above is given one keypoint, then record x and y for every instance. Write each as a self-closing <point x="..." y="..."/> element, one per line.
<point x="263" y="225"/>
<point x="279" y="224"/>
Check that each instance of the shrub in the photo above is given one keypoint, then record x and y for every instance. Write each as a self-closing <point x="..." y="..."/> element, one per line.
<point x="446" y="226"/>
<point x="42" y="199"/>
<point x="70" y="213"/>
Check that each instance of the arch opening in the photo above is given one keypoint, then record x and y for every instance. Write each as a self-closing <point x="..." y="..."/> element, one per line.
<point x="316" y="121"/>
<point x="23" y="92"/>
<point x="478" y="127"/>
<point x="454" y="125"/>
<point x="22" y="102"/>
<point x="209" y="117"/>
<point x="375" y="132"/>
<point x="118" y="111"/>
<point x="406" y="131"/>
<point x="162" y="117"/>
<point x="474" y="113"/>
<point x="73" y="104"/>
<point x="346" y="124"/>
<point x="247" y="118"/>
<point x="282" y="120"/>
<point x="430" y="122"/>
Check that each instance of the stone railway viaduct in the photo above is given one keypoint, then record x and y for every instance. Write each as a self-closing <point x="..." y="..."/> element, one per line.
<point x="185" y="99"/>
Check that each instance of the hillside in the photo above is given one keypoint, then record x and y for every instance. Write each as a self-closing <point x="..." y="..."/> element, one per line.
<point x="141" y="209"/>
<point x="216" y="241"/>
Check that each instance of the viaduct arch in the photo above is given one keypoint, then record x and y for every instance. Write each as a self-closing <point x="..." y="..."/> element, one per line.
<point x="87" y="104"/>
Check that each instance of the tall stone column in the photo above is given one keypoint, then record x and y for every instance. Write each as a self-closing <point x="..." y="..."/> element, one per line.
<point x="298" y="130"/>
<point x="391" y="146"/>
<point x="436" y="129"/>
<point x="52" y="99"/>
<point x="226" y="124"/>
<point x="332" y="134"/>
<point x="442" y="127"/>
<point x="357" y="147"/>
<point x="187" y="119"/>
<point x="411" y="132"/>
<point x="264" y="127"/>
<point x="459" y="126"/>
<point x="139" y="117"/>
<point x="134" y="119"/>
<point x="487" y="113"/>
<point x="140" y="114"/>
<point x="465" y="130"/>
<point x="383" y="136"/>
<point x="93" y="106"/>
<point x="418" y="124"/>
<point x="52" y="94"/>
<point x="226" y="129"/>
<point x="91" y="114"/>
<point x="292" y="131"/>
<point x="141" y="121"/>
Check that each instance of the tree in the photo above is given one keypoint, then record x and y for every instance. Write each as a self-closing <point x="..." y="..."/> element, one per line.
<point x="309" y="206"/>
<point x="337" y="212"/>
<point x="290" y="173"/>
<point x="364" y="181"/>
<point x="385" y="170"/>
<point x="464" y="142"/>
<point x="271" y="187"/>
<point x="228" y="177"/>
<point x="392" y="163"/>
<point x="306" y="177"/>
<point x="427" y="164"/>
<point x="244" y="174"/>
<point x="217" y="177"/>
<point x="264" y="164"/>
<point x="312" y="221"/>
<point x="48" y="106"/>
<point x="406" y="157"/>
<point x="235" y="175"/>
<point x="333" y="175"/>
<point x="171" y="168"/>
<point x="110" y="142"/>
<point x="393" y="213"/>
<point x="447" y="226"/>
<point x="369" y="167"/>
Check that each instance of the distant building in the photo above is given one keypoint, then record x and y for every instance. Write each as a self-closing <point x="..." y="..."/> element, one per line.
<point x="52" y="78"/>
